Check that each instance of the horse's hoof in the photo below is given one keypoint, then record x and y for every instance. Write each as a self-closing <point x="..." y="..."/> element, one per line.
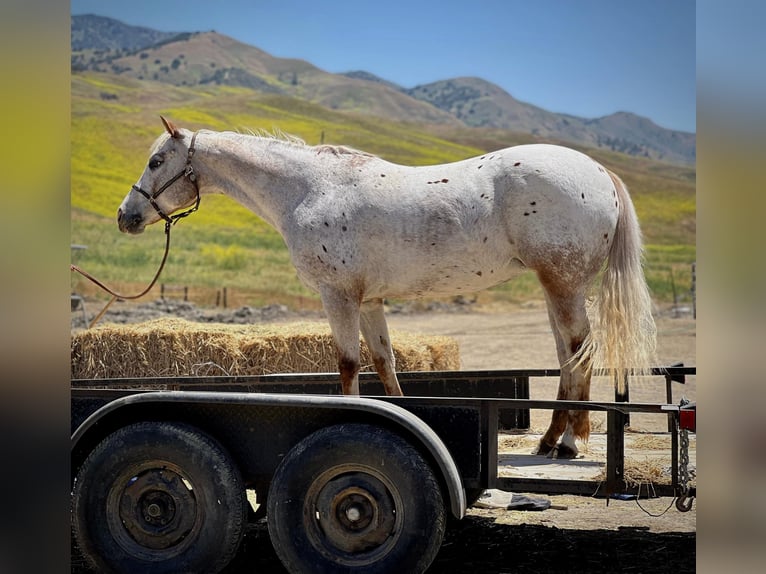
<point x="565" y="451"/>
<point x="544" y="449"/>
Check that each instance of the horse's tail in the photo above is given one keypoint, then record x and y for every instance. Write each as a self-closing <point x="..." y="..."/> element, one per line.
<point x="623" y="334"/>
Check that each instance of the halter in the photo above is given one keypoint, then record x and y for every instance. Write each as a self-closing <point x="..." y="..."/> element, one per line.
<point x="187" y="171"/>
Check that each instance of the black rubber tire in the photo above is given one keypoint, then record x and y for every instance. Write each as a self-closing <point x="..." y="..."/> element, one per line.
<point x="158" y="497"/>
<point x="355" y="497"/>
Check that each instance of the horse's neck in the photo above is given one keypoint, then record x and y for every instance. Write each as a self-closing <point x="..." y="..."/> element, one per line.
<point x="262" y="174"/>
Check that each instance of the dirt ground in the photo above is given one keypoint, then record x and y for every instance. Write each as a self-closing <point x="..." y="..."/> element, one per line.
<point x="577" y="534"/>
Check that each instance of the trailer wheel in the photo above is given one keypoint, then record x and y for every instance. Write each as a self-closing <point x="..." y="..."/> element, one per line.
<point x="355" y="497"/>
<point x="158" y="497"/>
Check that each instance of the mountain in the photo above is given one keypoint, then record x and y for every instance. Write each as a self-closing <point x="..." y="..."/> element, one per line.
<point x="97" y="33"/>
<point x="479" y="103"/>
<point x="211" y="58"/>
<point x="197" y="58"/>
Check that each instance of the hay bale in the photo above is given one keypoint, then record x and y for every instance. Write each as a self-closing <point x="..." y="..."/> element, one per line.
<point x="176" y="347"/>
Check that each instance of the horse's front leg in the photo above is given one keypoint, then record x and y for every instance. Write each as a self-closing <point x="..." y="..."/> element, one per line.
<point x="343" y="315"/>
<point x="375" y="333"/>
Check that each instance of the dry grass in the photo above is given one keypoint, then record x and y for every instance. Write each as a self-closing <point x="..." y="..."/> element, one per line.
<point x="176" y="347"/>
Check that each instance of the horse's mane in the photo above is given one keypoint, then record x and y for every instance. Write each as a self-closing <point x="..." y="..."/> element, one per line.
<point x="278" y="135"/>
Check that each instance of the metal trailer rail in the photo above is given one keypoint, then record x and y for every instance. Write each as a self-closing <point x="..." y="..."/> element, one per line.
<point x="499" y="396"/>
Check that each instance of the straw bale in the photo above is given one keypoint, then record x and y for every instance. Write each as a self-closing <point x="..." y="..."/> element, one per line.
<point x="177" y="347"/>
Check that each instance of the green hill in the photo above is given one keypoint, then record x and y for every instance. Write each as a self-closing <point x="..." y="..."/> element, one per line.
<point x="115" y="120"/>
<point x="209" y="58"/>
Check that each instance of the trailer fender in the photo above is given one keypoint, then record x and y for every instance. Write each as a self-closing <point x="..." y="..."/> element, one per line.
<point x="414" y="429"/>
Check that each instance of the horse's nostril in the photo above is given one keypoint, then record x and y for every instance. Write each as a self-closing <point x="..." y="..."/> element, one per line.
<point x="119" y="214"/>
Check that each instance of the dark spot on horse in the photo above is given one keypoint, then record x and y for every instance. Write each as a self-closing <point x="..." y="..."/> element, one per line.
<point x="491" y="271"/>
<point x="324" y="248"/>
<point x="343" y="261"/>
<point x="445" y="180"/>
<point x="485" y="240"/>
<point x="434" y="243"/>
<point x="517" y="164"/>
<point x="382" y="175"/>
<point x="334" y="268"/>
<point x="526" y="213"/>
<point x="532" y="203"/>
<point x="615" y="204"/>
<point x="478" y="273"/>
<point x="582" y="195"/>
<point x="482" y="157"/>
<point x="320" y="258"/>
<point x="606" y="236"/>
<point x="480" y="165"/>
<point x="326" y="224"/>
<point x="534" y="211"/>
<point x="343" y="228"/>
<point x="537" y="171"/>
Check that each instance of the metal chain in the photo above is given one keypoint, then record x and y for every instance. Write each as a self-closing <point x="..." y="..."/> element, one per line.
<point x="683" y="466"/>
<point x="684" y="502"/>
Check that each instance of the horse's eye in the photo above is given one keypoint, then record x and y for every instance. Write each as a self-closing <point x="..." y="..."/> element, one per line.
<point x="154" y="163"/>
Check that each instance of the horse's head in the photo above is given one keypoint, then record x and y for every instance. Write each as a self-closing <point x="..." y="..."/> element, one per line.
<point x="167" y="184"/>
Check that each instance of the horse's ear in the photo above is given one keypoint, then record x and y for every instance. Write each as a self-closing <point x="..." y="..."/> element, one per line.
<point x="171" y="128"/>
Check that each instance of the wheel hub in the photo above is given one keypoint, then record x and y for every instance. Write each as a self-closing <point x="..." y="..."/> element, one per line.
<point x="157" y="508"/>
<point x="356" y="513"/>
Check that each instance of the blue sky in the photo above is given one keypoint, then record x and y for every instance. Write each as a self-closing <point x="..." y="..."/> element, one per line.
<point x="589" y="58"/>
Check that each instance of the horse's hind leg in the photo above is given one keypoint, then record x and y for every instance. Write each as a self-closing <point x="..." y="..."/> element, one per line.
<point x="375" y="333"/>
<point x="570" y="327"/>
<point x="343" y="316"/>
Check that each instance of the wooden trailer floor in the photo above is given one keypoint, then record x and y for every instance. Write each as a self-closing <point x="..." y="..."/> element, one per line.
<point x="647" y="458"/>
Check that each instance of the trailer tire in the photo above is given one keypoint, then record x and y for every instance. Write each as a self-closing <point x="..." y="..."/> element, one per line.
<point x="158" y="497"/>
<point x="355" y="497"/>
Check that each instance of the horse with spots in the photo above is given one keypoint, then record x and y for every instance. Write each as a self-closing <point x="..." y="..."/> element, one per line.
<point x="360" y="229"/>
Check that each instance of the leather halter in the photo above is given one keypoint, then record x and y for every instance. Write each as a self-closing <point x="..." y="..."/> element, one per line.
<point x="187" y="171"/>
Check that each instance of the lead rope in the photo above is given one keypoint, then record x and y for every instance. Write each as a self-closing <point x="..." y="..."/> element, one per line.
<point x="116" y="295"/>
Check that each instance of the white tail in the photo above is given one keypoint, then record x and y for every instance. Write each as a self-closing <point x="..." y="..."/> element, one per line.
<point x="623" y="334"/>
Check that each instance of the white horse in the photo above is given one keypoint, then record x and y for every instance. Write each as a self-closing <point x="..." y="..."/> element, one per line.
<point x="360" y="229"/>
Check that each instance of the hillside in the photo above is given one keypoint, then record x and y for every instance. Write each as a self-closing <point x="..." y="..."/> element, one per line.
<point x="479" y="103"/>
<point x="106" y="36"/>
<point x="209" y="58"/>
<point x="115" y="120"/>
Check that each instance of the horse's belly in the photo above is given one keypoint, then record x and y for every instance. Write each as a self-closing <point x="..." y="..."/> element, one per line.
<point x="442" y="278"/>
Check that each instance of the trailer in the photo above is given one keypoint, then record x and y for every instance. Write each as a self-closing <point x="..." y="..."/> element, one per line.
<point x="161" y="466"/>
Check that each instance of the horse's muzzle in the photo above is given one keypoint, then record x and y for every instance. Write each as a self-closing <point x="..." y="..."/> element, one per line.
<point x="130" y="224"/>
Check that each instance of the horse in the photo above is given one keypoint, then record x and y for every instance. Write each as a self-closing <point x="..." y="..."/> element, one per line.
<point x="360" y="229"/>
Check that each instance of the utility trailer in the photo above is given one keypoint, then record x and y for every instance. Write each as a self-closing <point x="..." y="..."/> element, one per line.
<point x="161" y="466"/>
